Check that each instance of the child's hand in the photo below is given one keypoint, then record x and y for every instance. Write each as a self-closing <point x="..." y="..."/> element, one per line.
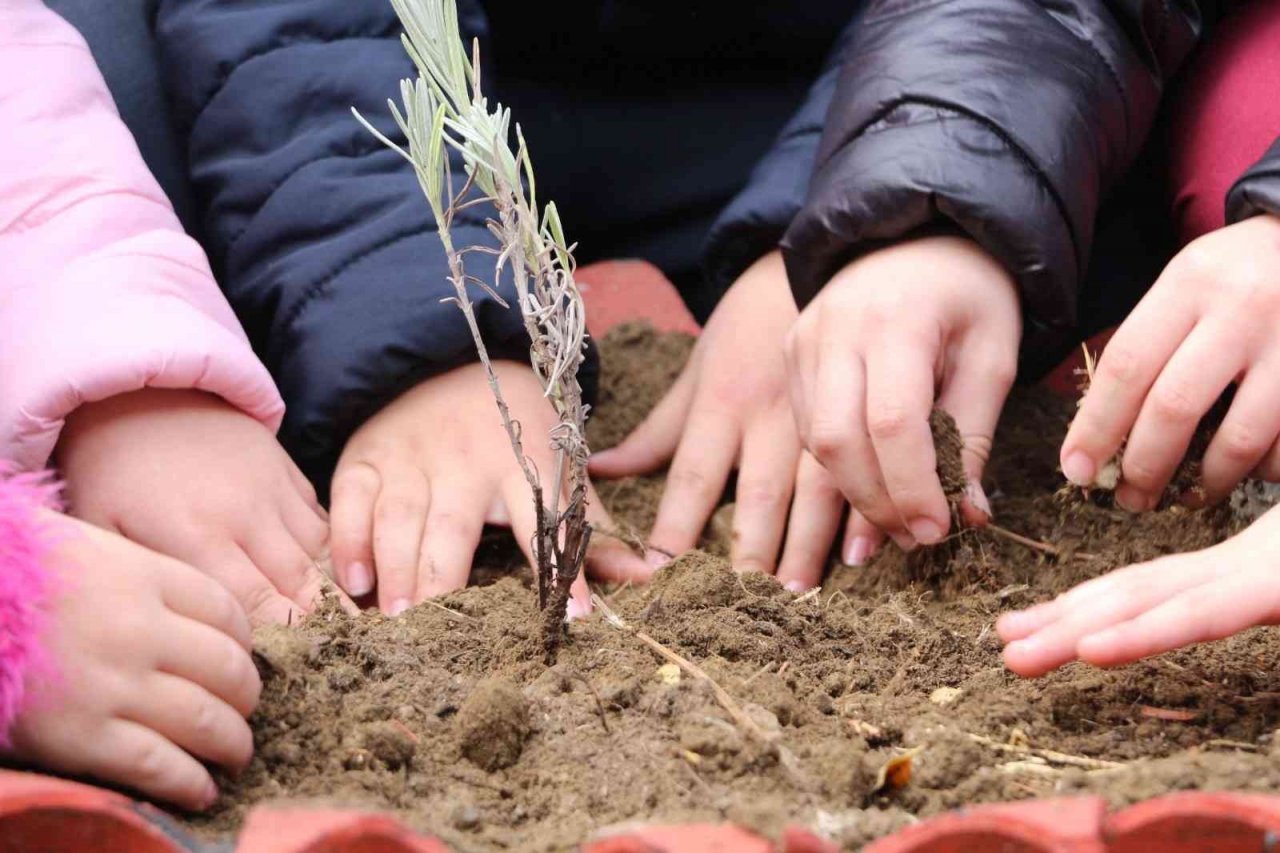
<point x="1153" y="607"/>
<point x="419" y="480"/>
<point x="152" y="673"/>
<point x="184" y="473"/>
<point x="730" y="407"/>
<point x="1210" y="320"/>
<point x="930" y="316"/>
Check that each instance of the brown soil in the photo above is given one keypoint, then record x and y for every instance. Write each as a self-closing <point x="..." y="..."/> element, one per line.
<point x="448" y="717"/>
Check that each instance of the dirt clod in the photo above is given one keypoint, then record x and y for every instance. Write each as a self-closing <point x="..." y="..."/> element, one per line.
<point x="493" y="724"/>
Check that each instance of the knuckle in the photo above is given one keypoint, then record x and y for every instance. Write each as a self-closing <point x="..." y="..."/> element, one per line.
<point x="204" y="720"/>
<point x="1139" y="472"/>
<point x="1173" y="402"/>
<point x="889" y="422"/>
<point x="392" y="509"/>
<point x="259" y="601"/>
<point x="354" y="480"/>
<point x="1197" y="262"/>
<point x="760" y="494"/>
<point x="688" y="479"/>
<point x="829" y="438"/>
<point x="150" y="765"/>
<point x="1003" y="371"/>
<point x="1120" y="364"/>
<point x="1242" y="443"/>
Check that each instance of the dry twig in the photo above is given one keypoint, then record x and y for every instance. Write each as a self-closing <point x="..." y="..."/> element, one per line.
<point x="722" y="696"/>
<point x="1049" y="755"/>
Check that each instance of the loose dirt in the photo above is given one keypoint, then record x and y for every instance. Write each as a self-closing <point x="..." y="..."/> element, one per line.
<point x="448" y="717"/>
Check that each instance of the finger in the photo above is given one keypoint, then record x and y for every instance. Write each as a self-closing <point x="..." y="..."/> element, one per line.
<point x="766" y="481"/>
<point x="815" y="520"/>
<point x="802" y="371"/>
<point x="1210" y="611"/>
<point x="695" y="482"/>
<point x="609" y="558"/>
<point x="1245" y="436"/>
<point x="140" y="758"/>
<point x="1129" y="365"/>
<point x="1055" y="644"/>
<point x="194" y="719"/>
<point x="399" y="518"/>
<point x="1186" y="388"/>
<point x="838" y="438"/>
<point x="354" y="492"/>
<point x="579" y="599"/>
<point x="1017" y="624"/>
<point x="289" y="568"/>
<point x="974" y="397"/>
<point x="1269" y="468"/>
<point x="259" y="598"/>
<point x="899" y="399"/>
<point x="452" y="533"/>
<point x="650" y="445"/>
<point x="862" y="540"/>
<point x="207" y="657"/>
<point x="307" y="491"/>
<point x="196" y="596"/>
<point x="307" y="529"/>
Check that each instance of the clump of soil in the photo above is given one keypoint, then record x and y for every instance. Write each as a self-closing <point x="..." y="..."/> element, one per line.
<point x="949" y="446"/>
<point x="448" y="716"/>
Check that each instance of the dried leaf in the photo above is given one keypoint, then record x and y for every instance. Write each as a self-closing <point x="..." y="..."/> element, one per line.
<point x="1173" y="714"/>
<point x="896" y="772"/>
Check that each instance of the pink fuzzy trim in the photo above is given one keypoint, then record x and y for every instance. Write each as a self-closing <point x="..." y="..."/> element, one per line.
<point x="25" y="584"/>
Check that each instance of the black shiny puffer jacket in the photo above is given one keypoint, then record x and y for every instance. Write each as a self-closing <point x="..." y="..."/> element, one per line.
<point x="1008" y="119"/>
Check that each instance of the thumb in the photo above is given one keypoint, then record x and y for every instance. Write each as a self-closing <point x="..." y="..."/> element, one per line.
<point x="974" y="397"/>
<point x="651" y="444"/>
<point x="611" y="556"/>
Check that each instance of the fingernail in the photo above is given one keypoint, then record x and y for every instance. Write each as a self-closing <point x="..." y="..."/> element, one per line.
<point x="656" y="559"/>
<point x="576" y="610"/>
<point x="399" y="606"/>
<point x="1079" y="468"/>
<point x="1132" y="500"/>
<point x="903" y="541"/>
<point x="359" y="579"/>
<point x="925" y="530"/>
<point x="794" y="586"/>
<point x="974" y="491"/>
<point x="858" y="551"/>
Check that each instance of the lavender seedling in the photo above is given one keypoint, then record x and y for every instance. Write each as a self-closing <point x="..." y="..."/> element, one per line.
<point x="444" y="108"/>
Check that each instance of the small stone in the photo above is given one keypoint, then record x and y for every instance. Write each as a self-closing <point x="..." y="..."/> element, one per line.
<point x="669" y="673"/>
<point x="945" y="695"/>
<point x="465" y="818"/>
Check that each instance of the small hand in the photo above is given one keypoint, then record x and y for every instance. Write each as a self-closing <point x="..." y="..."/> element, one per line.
<point x="152" y="674"/>
<point x="1209" y="320"/>
<point x="930" y="317"/>
<point x="1149" y="608"/>
<point x="419" y="480"/>
<point x="184" y="473"/>
<point x="730" y="407"/>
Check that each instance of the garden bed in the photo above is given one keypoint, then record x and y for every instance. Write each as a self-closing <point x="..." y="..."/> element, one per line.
<point x="448" y="718"/>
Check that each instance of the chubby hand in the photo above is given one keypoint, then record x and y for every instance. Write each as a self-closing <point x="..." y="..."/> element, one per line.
<point x="151" y="671"/>
<point x="1211" y="319"/>
<point x="419" y="480"/>
<point x="932" y="317"/>
<point x="186" y="474"/>
<point x="1149" y="608"/>
<point x="730" y="408"/>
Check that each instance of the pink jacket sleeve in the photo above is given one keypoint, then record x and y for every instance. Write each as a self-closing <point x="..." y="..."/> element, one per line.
<point x="26" y="582"/>
<point x="101" y="292"/>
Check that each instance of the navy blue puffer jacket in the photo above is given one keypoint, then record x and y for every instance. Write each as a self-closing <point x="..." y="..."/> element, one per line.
<point x="321" y="238"/>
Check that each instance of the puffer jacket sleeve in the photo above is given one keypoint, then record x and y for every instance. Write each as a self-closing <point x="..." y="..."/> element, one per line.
<point x="27" y="583"/>
<point x="323" y="241"/>
<point x="1258" y="190"/>
<point x="101" y="292"/>
<point x="755" y="219"/>
<point x="1007" y="119"/>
